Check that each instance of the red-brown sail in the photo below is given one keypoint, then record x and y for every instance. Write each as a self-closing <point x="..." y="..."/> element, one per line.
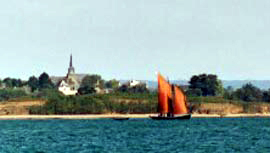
<point x="164" y="93"/>
<point x="179" y="102"/>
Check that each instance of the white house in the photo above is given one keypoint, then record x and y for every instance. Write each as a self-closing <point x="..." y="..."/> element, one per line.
<point x="133" y="83"/>
<point x="66" y="89"/>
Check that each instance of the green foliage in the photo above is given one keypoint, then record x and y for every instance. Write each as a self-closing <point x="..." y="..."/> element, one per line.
<point x="86" y="90"/>
<point x="112" y="84"/>
<point x="211" y="99"/>
<point x="249" y="93"/>
<point x="266" y="96"/>
<point x="40" y="83"/>
<point x="33" y="83"/>
<point x="140" y="88"/>
<point x="134" y="96"/>
<point x="8" y="82"/>
<point x="194" y="92"/>
<point x="44" y="81"/>
<point x="11" y="82"/>
<point x="219" y="88"/>
<point x="91" y="80"/>
<point x="96" y="104"/>
<point x="89" y="83"/>
<point x="229" y="93"/>
<point x="123" y="88"/>
<point x="7" y="94"/>
<point x="209" y="84"/>
<point x="16" y="82"/>
<point x="47" y="93"/>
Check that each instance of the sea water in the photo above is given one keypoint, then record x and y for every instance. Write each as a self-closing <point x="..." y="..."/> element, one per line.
<point x="241" y="135"/>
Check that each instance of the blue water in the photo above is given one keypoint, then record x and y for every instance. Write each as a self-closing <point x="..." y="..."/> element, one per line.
<point x="136" y="136"/>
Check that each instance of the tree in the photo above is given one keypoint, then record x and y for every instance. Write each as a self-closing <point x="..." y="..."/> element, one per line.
<point x="90" y="83"/>
<point x="140" y="88"/>
<point x="209" y="84"/>
<point x="33" y="83"/>
<point x="194" y="92"/>
<point x="6" y="94"/>
<point x="8" y="82"/>
<point x="12" y="82"/>
<point x="86" y="90"/>
<point x="16" y="82"/>
<point x="249" y="93"/>
<point x="44" y="81"/>
<point x="266" y="96"/>
<point x="123" y="88"/>
<point x="228" y="93"/>
<point x="112" y="84"/>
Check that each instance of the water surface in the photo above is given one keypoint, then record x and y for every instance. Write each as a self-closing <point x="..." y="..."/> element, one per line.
<point x="136" y="135"/>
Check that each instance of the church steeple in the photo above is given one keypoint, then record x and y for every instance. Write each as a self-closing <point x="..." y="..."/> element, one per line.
<point x="70" y="62"/>
<point x="71" y="69"/>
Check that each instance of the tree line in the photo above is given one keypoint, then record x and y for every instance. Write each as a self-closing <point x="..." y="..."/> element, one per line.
<point x="125" y="98"/>
<point x="90" y="83"/>
<point x="42" y="82"/>
<point x="199" y="85"/>
<point x="210" y="85"/>
<point x="97" y="104"/>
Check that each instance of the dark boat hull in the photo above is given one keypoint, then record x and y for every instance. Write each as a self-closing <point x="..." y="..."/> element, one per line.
<point x="180" y="117"/>
<point x="120" y="118"/>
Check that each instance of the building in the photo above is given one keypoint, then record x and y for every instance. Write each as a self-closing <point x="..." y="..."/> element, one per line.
<point x="133" y="83"/>
<point x="70" y="84"/>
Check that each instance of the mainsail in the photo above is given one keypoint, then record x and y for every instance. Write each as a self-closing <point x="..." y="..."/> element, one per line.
<point x="164" y="93"/>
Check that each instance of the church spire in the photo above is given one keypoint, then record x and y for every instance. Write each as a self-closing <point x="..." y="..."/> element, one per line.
<point x="71" y="69"/>
<point x="70" y="62"/>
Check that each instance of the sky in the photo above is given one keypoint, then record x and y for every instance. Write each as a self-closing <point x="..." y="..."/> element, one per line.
<point x="132" y="39"/>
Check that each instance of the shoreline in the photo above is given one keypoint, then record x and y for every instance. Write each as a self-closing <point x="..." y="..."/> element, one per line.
<point x="109" y="116"/>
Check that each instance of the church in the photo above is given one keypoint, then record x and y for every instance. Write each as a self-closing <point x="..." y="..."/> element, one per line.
<point x="69" y="84"/>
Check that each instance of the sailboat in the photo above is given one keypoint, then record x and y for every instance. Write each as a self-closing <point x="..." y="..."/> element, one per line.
<point x="172" y="103"/>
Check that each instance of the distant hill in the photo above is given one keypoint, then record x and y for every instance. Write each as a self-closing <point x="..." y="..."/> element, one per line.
<point x="262" y="84"/>
<point x="154" y="84"/>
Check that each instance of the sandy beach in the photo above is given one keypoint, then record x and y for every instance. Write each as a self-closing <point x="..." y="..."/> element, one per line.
<point x="104" y="116"/>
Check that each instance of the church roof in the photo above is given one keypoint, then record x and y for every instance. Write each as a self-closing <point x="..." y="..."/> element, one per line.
<point x="57" y="79"/>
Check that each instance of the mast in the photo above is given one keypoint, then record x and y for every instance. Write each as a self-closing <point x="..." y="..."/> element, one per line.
<point x="171" y="102"/>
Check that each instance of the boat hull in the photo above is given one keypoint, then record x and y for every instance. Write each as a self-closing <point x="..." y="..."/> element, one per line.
<point x="179" y="117"/>
<point x="120" y="118"/>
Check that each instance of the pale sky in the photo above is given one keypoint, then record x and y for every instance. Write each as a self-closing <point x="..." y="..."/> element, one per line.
<point x="131" y="39"/>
